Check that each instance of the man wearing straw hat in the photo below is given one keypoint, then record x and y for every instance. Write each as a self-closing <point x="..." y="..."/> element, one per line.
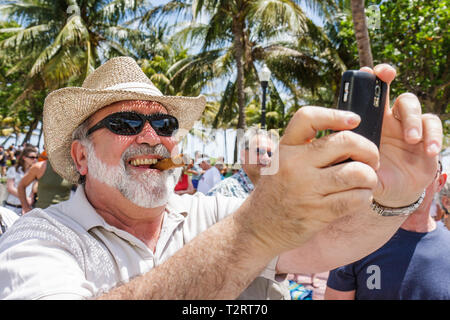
<point x="126" y="235"/>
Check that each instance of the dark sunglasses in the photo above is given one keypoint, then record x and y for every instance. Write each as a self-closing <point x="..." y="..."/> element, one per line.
<point x="262" y="152"/>
<point x="132" y="123"/>
<point x="34" y="158"/>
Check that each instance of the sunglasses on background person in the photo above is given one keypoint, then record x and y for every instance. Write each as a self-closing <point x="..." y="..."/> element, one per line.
<point x="31" y="157"/>
<point x="132" y="123"/>
<point x="261" y="152"/>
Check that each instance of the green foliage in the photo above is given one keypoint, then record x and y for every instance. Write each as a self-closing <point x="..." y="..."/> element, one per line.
<point x="49" y="46"/>
<point x="249" y="33"/>
<point x="414" y="37"/>
<point x="11" y="86"/>
<point x="58" y="43"/>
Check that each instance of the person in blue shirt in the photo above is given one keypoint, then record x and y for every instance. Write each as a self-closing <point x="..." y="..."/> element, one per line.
<point x="413" y="265"/>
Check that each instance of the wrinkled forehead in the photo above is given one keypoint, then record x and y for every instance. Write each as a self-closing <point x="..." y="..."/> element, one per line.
<point x="140" y="106"/>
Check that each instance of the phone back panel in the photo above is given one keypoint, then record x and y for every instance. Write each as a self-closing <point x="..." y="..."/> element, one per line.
<point x="364" y="94"/>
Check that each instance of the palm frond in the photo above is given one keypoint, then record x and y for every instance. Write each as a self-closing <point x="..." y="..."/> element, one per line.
<point x="26" y="12"/>
<point x="275" y="17"/>
<point x="116" y="10"/>
<point x="24" y="36"/>
<point x="74" y="33"/>
<point x="175" y="9"/>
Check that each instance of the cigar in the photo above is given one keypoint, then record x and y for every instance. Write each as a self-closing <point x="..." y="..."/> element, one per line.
<point x="169" y="163"/>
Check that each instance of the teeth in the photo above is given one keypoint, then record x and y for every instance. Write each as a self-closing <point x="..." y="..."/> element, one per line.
<point x="143" y="162"/>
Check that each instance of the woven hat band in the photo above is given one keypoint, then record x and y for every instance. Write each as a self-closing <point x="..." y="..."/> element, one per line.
<point x="136" y="87"/>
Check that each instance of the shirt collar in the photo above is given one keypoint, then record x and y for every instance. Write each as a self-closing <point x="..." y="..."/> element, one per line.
<point x="80" y="209"/>
<point x="174" y="206"/>
<point x="245" y="180"/>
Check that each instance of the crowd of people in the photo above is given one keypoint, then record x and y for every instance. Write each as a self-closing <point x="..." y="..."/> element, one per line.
<point x="8" y="157"/>
<point x="132" y="231"/>
<point x="202" y="173"/>
<point x="30" y="183"/>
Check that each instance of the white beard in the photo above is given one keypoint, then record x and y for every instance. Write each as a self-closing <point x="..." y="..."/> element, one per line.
<point x="150" y="189"/>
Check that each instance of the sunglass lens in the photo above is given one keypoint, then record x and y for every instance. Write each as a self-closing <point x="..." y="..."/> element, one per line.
<point x="125" y="124"/>
<point x="262" y="152"/>
<point x="165" y="126"/>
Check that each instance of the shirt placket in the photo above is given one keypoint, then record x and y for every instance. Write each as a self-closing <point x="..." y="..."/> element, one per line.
<point x="170" y="223"/>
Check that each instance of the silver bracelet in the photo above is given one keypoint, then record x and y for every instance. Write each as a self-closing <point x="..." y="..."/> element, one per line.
<point x="402" y="211"/>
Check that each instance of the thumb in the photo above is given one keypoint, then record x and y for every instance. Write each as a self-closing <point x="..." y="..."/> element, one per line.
<point x="308" y="120"/>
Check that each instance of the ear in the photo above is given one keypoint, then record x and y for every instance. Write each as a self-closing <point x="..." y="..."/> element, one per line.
<point x="79" y="156"/>
<point x="442" y="180"/>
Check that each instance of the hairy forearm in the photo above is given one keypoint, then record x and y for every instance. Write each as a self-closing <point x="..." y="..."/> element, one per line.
<point x="218" y="264"/>
<point x="348" y="239"/>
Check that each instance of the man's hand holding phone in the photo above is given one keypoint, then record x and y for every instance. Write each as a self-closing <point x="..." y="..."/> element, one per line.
<point x="409" y="146"/>
<point x="394" y="175"/>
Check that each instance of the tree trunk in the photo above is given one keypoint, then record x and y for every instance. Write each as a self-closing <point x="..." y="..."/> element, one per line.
<point x="33" y="126"/>
<point x="225" y="158"/>
<point x="235" y="152"/>
<point x="6" y="140"/>
<point x="238" y="31"/>
<point x="361" y="33"/>
<point x="40" y="135"/>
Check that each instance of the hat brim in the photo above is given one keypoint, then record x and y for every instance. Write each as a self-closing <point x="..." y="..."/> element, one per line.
<point x="67" y="108"/>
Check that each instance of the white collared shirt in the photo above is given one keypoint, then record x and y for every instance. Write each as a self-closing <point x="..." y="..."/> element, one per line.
<point x="208" y="180"/>
<point x="68" y="251"/>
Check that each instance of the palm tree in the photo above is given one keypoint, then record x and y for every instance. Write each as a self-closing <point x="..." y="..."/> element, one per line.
<point x="237" y="35"/>
<point x="61" y="42"/>
<point x="65" y="40"/>
<point x="361" y="33"/>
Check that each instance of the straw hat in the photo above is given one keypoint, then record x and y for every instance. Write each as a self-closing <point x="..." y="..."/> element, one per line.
<point x="118" y="79"/>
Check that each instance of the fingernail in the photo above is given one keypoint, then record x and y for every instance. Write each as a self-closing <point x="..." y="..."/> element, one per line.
<point x="434" y="148"/>
<point x="413" y="133"/>
<point x="353" y="119"/>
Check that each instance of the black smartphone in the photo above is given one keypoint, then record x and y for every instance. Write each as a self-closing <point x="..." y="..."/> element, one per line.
<point x="365" y="94"/>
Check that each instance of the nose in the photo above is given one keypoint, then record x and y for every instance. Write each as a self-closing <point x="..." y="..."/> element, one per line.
<point x="264" y="158"/>
<point x="148" y="136"/>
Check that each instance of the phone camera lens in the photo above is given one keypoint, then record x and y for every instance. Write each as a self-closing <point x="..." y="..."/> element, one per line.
<point x="377" y="90"/>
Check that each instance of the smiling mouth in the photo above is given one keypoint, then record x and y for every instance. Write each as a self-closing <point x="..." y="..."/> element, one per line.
<point x="143" y="163"/>
<point x="157" y="163"/>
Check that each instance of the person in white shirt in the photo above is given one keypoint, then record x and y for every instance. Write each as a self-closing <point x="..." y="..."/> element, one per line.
<point x="210" y="178"/>
<point x="126" y="235"/>
<point x="14" y="174"/>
